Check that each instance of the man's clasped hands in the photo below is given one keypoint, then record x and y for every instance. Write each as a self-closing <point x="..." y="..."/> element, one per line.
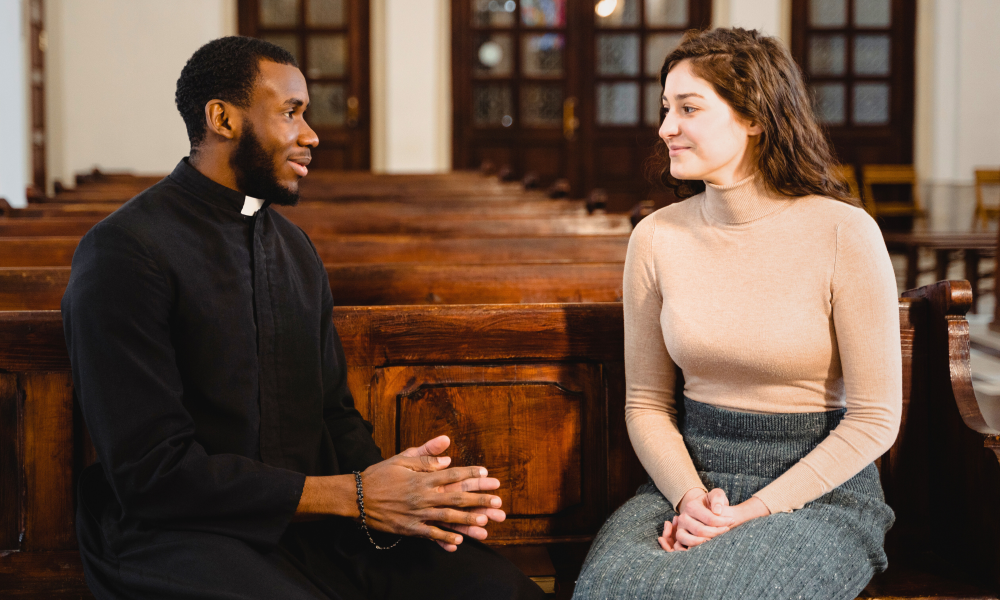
<point x="415" y="493"/>
<point x="705" y="515"/>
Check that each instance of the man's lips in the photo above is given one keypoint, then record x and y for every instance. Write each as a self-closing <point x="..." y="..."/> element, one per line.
<point x="299" y="165"/>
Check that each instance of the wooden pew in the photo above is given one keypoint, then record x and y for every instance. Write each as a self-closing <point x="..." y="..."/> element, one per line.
<point x="42" y="288"/>
<point x="554" y="374"/>
<point x="366" y="249"/>
<point x="410" y="208"/>
<point x="597" y="224"/>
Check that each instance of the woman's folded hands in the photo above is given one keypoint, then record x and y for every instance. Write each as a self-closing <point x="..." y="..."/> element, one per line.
<point x="705" y="515"/>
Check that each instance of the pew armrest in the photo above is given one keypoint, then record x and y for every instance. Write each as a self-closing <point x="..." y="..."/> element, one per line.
<point x="949" y="301"/>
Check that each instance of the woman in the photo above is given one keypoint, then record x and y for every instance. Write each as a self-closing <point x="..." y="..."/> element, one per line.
<point x="774" y="295"/>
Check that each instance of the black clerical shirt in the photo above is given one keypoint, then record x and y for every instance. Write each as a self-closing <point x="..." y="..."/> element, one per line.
<point x="206" y="364"/>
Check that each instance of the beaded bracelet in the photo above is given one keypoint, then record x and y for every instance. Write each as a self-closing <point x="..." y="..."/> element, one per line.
<point x="364" y="521"/>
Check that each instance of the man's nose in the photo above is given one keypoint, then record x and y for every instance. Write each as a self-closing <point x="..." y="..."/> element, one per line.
<point x="308" y="137"/>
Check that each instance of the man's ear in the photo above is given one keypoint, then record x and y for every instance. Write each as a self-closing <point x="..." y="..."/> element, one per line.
<point x="223" y="119"/>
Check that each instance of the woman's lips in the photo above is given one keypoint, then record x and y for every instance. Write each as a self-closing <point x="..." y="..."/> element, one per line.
<point x="675" y="150"/>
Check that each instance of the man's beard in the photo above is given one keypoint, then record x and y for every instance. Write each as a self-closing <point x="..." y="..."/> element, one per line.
<point x="255" y="175"/>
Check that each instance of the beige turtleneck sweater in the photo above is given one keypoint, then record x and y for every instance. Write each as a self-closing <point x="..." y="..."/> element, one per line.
<point x="768" y="304"/>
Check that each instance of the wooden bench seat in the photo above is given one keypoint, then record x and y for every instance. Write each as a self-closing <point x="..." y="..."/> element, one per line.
<point x="470" y="208"/>
<point x="597" y="224"/>
<point x="367" y="249"/>
<point x="42" y="288"/>
<point x="555" y="375"/>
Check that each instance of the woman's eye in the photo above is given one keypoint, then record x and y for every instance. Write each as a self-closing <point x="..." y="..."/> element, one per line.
<point x="689" y="109"/>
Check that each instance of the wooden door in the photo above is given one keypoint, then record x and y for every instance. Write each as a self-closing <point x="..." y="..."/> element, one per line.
<point x="627" y="42"/>
<point x="564" y="88"/>
<point x="858" y="59"/>
<point x="329" y="40"/>
<point x="514" y="85"/>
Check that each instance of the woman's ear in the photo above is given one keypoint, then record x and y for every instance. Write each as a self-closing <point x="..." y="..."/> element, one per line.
<point x="754" y="129"/>
<point x="222" y="119"/>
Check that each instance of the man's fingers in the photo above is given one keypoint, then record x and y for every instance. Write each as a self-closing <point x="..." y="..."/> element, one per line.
<point x="422" y="464"/>
<point x="439" y="535"/>
<point x="472" y="531"/>
<point x="430" y="448"/>
<point x="717" y="500"/>
<point x="480" y="484"/>
<point x="447" y="547"/>
<point x="457" y="474"/>
<point x="451" y="517"/>
<point x="493" y="514"/>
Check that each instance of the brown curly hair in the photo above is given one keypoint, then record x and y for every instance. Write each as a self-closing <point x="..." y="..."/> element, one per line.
<point x="758" y="78"/>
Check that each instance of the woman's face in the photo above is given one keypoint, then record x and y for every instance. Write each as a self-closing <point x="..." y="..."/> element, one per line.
<point x="705" y="138"/>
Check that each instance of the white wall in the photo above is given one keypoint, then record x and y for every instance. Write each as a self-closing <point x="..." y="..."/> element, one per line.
<point x="13" y="108"/>
<point x="412" y="86"/>
<point x="957" y="94"/>
<point x="771" y="17"/>
<point x="110" y="78"/>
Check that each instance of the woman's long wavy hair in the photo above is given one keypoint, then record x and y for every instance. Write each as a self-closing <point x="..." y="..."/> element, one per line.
<point x="761" y="82"/>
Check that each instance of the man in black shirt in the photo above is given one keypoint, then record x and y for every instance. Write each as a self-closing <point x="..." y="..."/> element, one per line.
<point x="213" y="384"/>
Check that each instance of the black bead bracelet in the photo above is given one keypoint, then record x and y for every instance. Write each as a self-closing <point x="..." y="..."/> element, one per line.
<point x="364" y="519"/>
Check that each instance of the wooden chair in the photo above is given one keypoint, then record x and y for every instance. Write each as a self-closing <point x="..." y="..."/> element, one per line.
<point x="892" y="175"/>
<point x="984" y="178"/>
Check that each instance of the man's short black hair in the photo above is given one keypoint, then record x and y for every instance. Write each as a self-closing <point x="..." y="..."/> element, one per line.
<point x="227" y="69"/>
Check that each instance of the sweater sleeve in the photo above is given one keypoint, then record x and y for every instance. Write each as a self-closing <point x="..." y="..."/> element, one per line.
<point x="650" y="375"/>
<point x="866" y="324"/>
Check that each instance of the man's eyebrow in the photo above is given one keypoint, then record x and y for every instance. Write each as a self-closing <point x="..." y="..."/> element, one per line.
<point x="294" y="102"/>
<point x="682" y="96"/>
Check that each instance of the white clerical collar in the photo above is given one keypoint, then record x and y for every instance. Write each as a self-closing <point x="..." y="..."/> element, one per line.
<point x="251" y="206"/>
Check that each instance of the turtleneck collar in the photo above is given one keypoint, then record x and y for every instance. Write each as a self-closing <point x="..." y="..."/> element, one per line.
<point x="742" y="202"/>
<point x="214" y="193"/>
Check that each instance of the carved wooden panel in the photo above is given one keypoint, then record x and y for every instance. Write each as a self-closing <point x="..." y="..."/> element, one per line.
<point x="10" y="464"/>
<point x="532" y="426"/>
<point x="48" y="461"/>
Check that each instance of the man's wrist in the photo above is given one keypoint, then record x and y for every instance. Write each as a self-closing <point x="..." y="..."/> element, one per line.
<point x="330" y="495"/>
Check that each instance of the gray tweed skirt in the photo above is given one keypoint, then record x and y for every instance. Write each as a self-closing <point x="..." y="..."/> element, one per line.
<point x="829" y="549"/>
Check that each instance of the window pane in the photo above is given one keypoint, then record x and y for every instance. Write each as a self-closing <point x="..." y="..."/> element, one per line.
<point x="327" y="55"/>
<point x="618" y="54"/>
<point x="871" y="55"/>
<point x="542" y="55"/>
<point x="287" y="41"/>
<point x="871" y="104"/>
<point x="541" y="105"/>
<point x="828" y="13"/>
<point x="826" y="55"/>
<point x="494" y="55"/>
<point x="625" y="13"/>
<point x="617" y="104"/>
<point x="828" y="102"/>
<point x="492" y="106"/>
<point x="279" y="13"/>
<point x="658" y="46"/>
<point x="325" y="13"/>
<point x="543" y="13"/>
<point x="327" y="105"/>
<point x="872" y="13"/>
<point x="667" y="13"/>
<point x="653" y="104"/>
<point x="493" y="13"/>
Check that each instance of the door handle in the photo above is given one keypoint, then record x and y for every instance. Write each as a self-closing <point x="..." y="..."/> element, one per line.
<point x="570" y="122"/>
<point x="353" y="111"/>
